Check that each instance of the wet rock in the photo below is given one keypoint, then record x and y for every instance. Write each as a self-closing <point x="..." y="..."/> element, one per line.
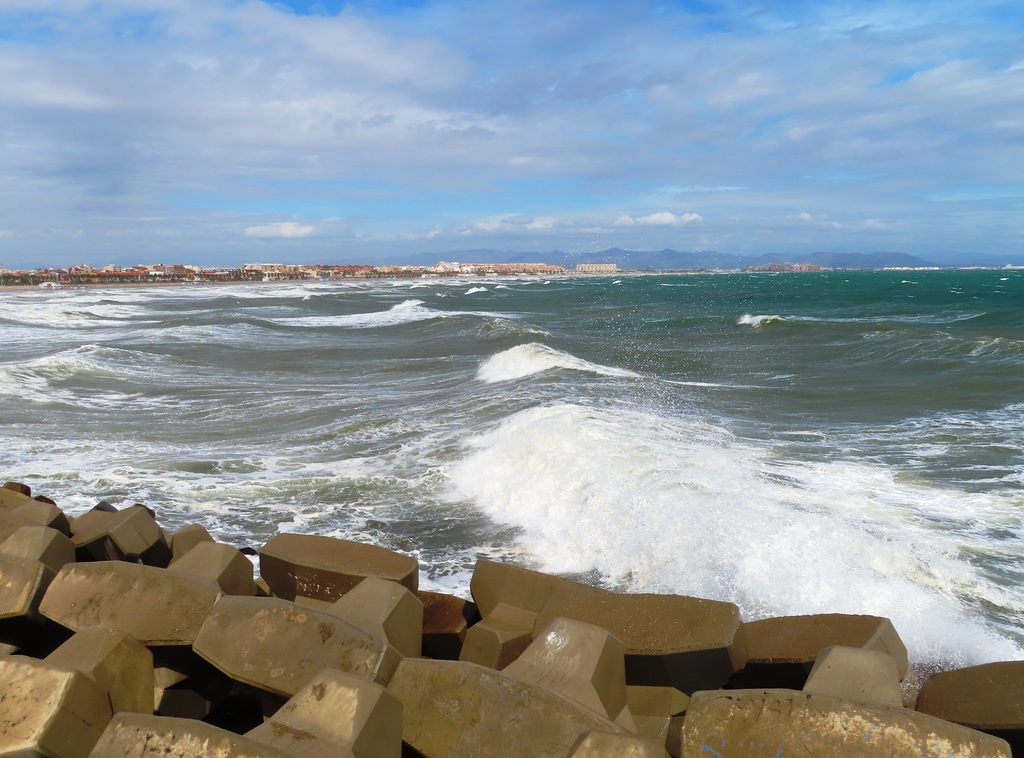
<point x="222" y="565"/>
<point x="132" y="735"/>
<point x="119" y="664"/>
<point x="857" y="675"/>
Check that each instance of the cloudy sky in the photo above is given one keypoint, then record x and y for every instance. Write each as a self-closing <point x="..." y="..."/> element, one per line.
<point x="217" y="131"/>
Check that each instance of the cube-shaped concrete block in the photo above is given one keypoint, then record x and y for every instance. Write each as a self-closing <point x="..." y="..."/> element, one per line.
<point x="446" y="619"/>
<point x="221" y="564"/>
<point x="340" y="711"/>
<point x="130" y="534"/>
<point x="857" y="675"/>
<point x="119" y="664"/>
<point x="132" y="735"/>
<point x="42" y="544"/>
<point x="19" y="488"/>
<point x="153" y="605"/>
<point x="48" y="710"/>
<point x="22" y="587"/>
<point x="670" y="640"/>
<point x="987" y="697"/>
<point x="11" y="521"/>
<point x="500" y="638"/>
<point x="325" y="568"/>
<point x="279" y="646"/>
<point x="187" y="538"/>
<point x="604" y="745"/>
<point x="580" y="661"/>
<point x="772" y="722"/>
<point x="451" y="708"/>
<point x="658" y="713"/>
<point x="498" y="583"/>
<point x="386" y="608"/>
<point x="44" y="514"/>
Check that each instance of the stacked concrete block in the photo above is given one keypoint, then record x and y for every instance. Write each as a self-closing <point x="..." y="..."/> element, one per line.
<point x="120" y="665"/>
<point x="325" y="568"/>
<point x="22" y="586"/>
<point x="500" y="638"/>
<point x="604" y="745"/>
<point x="44" y="514"/>
<point x="446" y="619"/>
<point x="334" y="714"/>
<point x="387" y="610"/>
<point x="42" y="544"/>
<point x="186" y="538"/>
<point x="777" y="722"/>
<point x="658" y="713"/>
<point x="131" y="534"/>
<point x="453" y="709"/>
<point x="222" y="565"/>
<point x="857" y="675"/>
<point x="131" y="735"/>
<point x="47" y="710"/>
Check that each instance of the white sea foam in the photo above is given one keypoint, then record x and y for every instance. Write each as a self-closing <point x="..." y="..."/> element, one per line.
<point x="533" y="358"/>
<point x="761" y="320"/>
<point x="405" y="312"/>
<point x="675" y="506"/>
<point x="474" y="290"/>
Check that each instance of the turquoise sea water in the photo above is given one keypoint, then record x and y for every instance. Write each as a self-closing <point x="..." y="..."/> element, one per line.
<point x="794" y="443"/>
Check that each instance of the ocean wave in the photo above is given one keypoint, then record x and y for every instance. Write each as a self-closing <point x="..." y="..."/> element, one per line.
<point x="474" y="290"/>
<point x="533" y="358"/>
<point x="762" y="320"/>
<point x="669" y="505"/>
<point x="405" y="312"/>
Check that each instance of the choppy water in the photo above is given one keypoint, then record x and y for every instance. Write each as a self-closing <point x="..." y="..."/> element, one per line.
<point x="795" y="443"/>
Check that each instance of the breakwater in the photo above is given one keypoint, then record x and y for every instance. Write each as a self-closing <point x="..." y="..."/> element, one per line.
<point x="121" y="638"/>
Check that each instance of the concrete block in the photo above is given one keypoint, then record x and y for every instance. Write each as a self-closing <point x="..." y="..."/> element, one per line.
<point x="279" y="646"/>
<point x="989" y="697"/>
<point x="185" y="685"/>
<point x="337" y="710"/>
<point x="48" y="710"/>
<point x="670" y="640"/>
<point x="22" y="587"/>
<point x="452" y="709"/>
<point x="127" y="535"/>
<point x="658" y="713"/>
<point x="18" y="488"/>
<point x="580" y="661"/>
<point x="11" y="521"/>
<point x="44" y="514"/>
<point x="132" y="735"/>
<point x="120" y="665"/>
<point x="779" y="722"/>
<point x="153" y="605"/>
<point x="498" y="583"/>
<point x="500" y="638"/>
<point x="604" y="745"/>
<point x="187" y="538"/>
<point x="325" y="568"/>
<point x="446" y="619"/>
<point x="220" y="564"/>
<point x="387" y="609"/>
<point x="41" y="544"/>
<point x="857" y="675"/>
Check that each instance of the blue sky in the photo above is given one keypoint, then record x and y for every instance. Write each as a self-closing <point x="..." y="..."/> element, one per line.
<point x="220" y="131"/>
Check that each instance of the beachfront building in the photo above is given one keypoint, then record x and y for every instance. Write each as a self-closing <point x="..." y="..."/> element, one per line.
<point x="596" y="268"/>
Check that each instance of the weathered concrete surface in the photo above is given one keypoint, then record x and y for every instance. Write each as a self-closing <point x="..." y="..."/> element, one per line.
<point x="461" y="710"/>
<point x="658" y="713"/>
<point x="48" y="710"/>
<point x="187" y="538"/>
<point x="785" y="722"/>
<point x="132" y="735"/>
<point x="495" y="583"/>
<point x="387" y="609"/>
<point x="119" y="664"/>
<point x="155" y="606"/>
<point x="990" y="696"/>
<point x="279" y="646"/>
<point x="670" y="640"/>
<point x="220" y="564"/>
<point x="582" y="662"/>
<point x="857" y="675"/>
<point x="22" y="586"/>
<point x="500" y="638"/>
<point x="44" y="514"/>
<point x="325" y="568"/>
<point x="446" y="619"/>
<point x="604" y="745"/>
<point x="42" y="544"/>
<point x="130" y="534"/>
<point x="11" y="521"/>
<point x="337" y="710"/>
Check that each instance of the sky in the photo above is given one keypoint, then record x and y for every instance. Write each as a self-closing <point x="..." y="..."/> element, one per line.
<point x="222" y="131"/>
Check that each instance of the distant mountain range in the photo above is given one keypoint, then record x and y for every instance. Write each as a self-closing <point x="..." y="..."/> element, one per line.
<point x="675" y="260"/>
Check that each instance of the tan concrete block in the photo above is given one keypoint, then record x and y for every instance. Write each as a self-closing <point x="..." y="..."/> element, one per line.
<point x="386" y="608"/>
<point x="128" y="535"/>
<point x="8" y="648"/>
<point x="187" y="538"/>
<point x="670" y="640"/>
<point x="446" y="619"/>
<point x="221" y="564"/>
<point x="132" y="735"/>
<point x="153" y="605"/>
<point x="325" y="568"/>
<point x="580" y="661"/>
<point x="988" y="697"/>
<point x="41" y="544"/>
<point x="44" y="514"/>
<point x="11" y="521"/>
<point x="604" y="745"/>
<point x="22" y="587"/>
<point x="279" y="646"/>
<point x="18" y="488"/>
<point x="658" y="713"/>
<point x="452" y="709"/>
<point x="500" y="638"/>
<point x="338" y="710"/>
<point x="799" y="639"/>
<point x="498" y="583"/>
<point x="48" y="710"/>
<point x="119" y="664"/>
<point x="857" y="675"/>
<point x="778" y="722"/>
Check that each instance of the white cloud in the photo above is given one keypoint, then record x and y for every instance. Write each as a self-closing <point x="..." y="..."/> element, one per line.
<point x="625" y="221"/>
<point x="666" y="218"/>
<point x="280" y="229"/>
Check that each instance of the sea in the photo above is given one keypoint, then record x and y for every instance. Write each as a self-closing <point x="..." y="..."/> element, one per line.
<point x="794" y="443"/>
